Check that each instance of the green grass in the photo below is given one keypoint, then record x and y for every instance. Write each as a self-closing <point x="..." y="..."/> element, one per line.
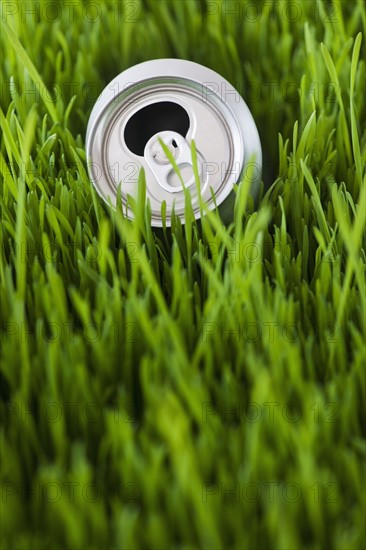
<point x="144" y="375"/>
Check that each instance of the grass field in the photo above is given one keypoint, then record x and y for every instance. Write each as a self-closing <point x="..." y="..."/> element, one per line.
<point x="203" y="386"/>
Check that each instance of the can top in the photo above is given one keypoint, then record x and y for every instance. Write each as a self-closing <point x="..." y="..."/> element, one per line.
<point x="173" y="102"/>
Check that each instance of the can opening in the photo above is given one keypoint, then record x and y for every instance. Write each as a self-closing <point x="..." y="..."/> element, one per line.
<point x="152" y="119"/>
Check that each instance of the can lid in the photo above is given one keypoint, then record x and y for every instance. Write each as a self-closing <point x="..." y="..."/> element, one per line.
<point x="171" y="102"/>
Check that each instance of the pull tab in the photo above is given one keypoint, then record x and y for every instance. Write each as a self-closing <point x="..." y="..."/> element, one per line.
<point x="161" y="165"/>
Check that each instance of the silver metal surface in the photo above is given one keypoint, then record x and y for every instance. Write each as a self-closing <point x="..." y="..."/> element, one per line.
<point x="174" y="101"/>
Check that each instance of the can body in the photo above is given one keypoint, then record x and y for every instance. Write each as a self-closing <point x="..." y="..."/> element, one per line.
<point x="147" y="118"/>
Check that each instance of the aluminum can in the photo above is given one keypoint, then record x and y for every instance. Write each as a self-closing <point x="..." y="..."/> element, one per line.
<point x="172" y="101"/>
